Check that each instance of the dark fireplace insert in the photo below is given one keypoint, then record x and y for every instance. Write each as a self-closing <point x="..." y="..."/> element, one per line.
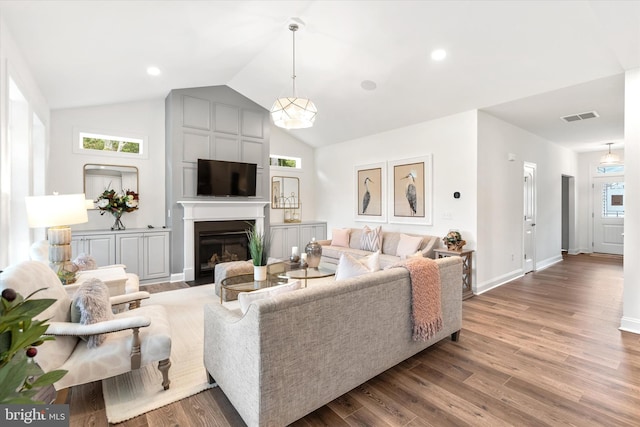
<point x="216" y="242"/>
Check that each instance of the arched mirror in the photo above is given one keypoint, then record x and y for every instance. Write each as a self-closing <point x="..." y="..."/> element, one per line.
<point x="285" y="192"/>
<point x="98" y="178"/>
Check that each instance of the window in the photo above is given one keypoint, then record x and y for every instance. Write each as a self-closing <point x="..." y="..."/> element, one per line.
<point x="611" y="169"/>
<point x="109" y="144"/>
<point x="285" y="161"/>
<point x="613" y="200"/>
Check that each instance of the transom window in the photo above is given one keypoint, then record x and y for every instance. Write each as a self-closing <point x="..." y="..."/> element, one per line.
<point x="111" y="144"/>
<point x="285" y="161"/>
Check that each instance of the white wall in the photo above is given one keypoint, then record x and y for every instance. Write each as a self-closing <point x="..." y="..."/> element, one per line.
<point x="283" y="144"/>
<point x="16" y="181"/>
<point x="452" y="142"/>
<point x="500" y="254"/>
<point x="141" y="118"/>
<point x="631" y="294"/>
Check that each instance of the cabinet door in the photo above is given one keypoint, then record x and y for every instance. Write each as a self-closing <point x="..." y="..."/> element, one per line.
<point x="307" y="232"/>
<point x="278" y="238"/>
<point x="129" y="251"/>
<point x="102" y="248"/>
<point x="156" y="255"/>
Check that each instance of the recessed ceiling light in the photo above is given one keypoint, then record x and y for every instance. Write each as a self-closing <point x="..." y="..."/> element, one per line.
<point x="438" y="54"/>
<point x="368" y="85"/>
<point x="153" y="71"/>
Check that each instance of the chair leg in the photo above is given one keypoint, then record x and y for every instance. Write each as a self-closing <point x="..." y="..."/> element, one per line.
<point x="163" y="366"/>
<point x="61" y="396"/>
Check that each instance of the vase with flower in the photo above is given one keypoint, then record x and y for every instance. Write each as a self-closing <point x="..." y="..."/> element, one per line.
<point x="116" y="204"/>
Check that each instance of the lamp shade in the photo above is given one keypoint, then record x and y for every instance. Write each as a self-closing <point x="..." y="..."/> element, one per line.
<point x="293" y="113"/>
<point x="56" y="210"/>
<point x="610" y="158"/>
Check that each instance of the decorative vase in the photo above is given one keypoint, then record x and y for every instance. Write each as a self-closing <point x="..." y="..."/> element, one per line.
<point x="259" y="273"/>
<point x="117" y="224"/>
<point x="314" y="253"/>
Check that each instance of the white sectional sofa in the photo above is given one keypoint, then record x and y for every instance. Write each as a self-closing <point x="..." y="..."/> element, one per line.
<point x="295" y="352"/>
<point x="388" y="253"/>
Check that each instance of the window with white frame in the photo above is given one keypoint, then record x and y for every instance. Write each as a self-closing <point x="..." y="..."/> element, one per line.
<point x="109" y="144"/>
<point x="285" y="161"/>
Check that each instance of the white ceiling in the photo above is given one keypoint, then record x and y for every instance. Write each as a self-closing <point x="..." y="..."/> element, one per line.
<point x="528" y="62"/>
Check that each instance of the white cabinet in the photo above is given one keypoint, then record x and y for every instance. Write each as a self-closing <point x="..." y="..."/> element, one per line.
<point x="145" y="252"/>
<point x="100" y="246"/>
<point x="285" y="236"/>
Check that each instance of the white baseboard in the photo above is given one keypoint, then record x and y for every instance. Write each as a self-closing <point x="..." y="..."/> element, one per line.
<point x="548" y="262"/>
<point x="498" y="281"/>
<point x="177" y="277"/>
<point x="630" y="324"/>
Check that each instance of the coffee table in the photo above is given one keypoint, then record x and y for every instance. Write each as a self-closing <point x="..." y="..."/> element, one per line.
<point x="277" y="274"/>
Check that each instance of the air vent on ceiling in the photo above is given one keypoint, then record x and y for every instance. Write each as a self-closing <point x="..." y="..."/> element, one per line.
<point x="580" y="116"/>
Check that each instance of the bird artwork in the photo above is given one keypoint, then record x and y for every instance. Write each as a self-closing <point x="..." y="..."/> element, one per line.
<point x="367" y="195"/>
<point x="410" y="192"/>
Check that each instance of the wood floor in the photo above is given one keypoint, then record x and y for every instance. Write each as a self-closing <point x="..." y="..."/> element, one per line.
<point x="543" y="350"/>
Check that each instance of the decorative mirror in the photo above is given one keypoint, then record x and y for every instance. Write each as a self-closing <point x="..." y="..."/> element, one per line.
<point x="98" y="178"/>
<point x="285" y="192"/>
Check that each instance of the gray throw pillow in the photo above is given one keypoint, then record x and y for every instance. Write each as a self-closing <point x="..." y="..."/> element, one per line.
<point x="91" y="305"/>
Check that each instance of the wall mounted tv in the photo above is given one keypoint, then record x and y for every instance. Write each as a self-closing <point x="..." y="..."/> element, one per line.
<point x="222" y="178"/>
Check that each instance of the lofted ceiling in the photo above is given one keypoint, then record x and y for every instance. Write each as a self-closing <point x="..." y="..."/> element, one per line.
<point x="528" y="62"/>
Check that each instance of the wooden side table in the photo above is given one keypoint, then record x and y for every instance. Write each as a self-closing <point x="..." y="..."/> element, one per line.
<point x="467" y="264"/>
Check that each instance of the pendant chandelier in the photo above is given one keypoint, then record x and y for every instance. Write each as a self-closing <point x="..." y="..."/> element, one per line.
<point x="293" y="112"/>
<point x="610" y="158"/>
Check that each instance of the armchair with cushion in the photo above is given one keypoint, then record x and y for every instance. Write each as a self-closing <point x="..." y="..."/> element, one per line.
<point x="133" y="338"/>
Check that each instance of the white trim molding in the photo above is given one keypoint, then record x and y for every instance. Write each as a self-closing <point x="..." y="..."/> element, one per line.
<point x="210" y="210"/>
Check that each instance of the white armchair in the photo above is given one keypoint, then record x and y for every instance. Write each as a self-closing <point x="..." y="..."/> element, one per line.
<point x="134" y="338"/>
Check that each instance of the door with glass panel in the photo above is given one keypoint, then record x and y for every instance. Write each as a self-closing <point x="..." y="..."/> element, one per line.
<point x="608" y="215"/>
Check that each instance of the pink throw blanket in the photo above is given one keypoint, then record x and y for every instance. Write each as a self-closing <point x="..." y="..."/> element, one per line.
<point x="426" y="308"/>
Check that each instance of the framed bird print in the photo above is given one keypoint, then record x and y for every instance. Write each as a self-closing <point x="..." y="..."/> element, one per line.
<point x="411" y="192"/>
<point x="370" y="185"/>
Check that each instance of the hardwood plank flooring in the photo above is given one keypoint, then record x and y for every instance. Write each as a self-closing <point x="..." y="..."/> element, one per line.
<point x="542" y="350"/>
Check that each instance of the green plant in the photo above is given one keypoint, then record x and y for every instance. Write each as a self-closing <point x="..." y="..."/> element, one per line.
<point x="20" y="334"/>
<point x="258" y="245"/>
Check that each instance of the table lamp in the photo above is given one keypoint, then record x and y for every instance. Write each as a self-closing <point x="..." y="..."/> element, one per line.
<point x="58" y="212"/>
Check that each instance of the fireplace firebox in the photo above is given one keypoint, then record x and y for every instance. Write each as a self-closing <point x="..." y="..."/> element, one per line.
<point x="216" y="242"/>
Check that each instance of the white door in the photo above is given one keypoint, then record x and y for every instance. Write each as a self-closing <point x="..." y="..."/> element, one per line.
<point x="529" y="237"/>
<point x="608" y="215"/>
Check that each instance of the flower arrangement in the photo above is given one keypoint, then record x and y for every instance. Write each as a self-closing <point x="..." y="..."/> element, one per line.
<point x="454" y="241"/>
<point x="20" y="334"/>
<point x="117" y="204"/>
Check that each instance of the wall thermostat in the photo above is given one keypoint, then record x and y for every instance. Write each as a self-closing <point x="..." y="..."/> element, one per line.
<point x="456" y="195"/>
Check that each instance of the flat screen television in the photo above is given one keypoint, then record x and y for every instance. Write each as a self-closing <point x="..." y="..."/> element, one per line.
<point x="222" y="178"/>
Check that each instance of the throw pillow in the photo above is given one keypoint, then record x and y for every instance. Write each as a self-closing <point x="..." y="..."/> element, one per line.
<point x="349" y="267"/>
<point x="340" y="237"/>
<point x="372" y="262"/>
<point x="408" y="245"/>
<point x="371" y="239"/>
<point x="91" y="305"/>
<point x="247" y="298"/>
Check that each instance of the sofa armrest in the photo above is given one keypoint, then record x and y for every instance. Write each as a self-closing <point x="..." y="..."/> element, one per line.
<point x="432" y="243"/>
<point x="324" y="242"/>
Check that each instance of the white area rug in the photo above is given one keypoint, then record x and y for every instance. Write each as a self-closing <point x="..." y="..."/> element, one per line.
<point x="137" y="392"/>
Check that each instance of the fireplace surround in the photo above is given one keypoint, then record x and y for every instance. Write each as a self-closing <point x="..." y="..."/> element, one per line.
<point x="215" y="210"/>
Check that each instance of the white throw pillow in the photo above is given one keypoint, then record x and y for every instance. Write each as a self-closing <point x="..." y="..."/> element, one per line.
<point x="340" y="237"/>
<point x="372" y="262"/>
<point x="348" y="267"/>
<point x="408" y="245"/>
<point x="247" y="298"/>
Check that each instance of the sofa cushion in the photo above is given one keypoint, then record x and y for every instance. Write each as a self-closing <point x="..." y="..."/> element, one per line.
<point x="371" y="239"/>
<point x="247" y="298"/>
<point x="340" y="237"/>
<point x="408" y="245"/>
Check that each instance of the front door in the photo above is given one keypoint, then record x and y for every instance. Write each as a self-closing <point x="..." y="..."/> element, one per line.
<point x="608" y="215"/>
<point x="529" y="228"/>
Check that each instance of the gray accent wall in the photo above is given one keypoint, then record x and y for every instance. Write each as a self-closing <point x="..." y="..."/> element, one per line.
<point x="212" y="122"/>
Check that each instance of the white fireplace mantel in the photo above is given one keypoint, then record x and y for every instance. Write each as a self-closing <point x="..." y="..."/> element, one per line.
<point x="214" y="210"/>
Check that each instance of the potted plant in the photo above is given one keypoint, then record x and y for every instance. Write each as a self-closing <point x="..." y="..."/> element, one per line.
<point x="259" y="251"/>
